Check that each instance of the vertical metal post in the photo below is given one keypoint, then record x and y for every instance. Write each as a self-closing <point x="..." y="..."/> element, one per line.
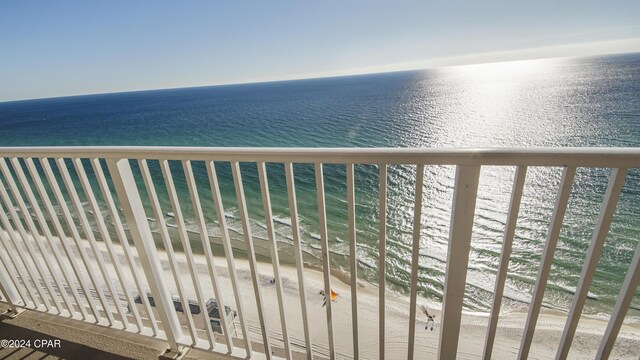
<point x="295" y="231"/>
<point x="507" y="242"/>
<point x="326" y="264"/>
<point x="464" y="204"/>
<point x="415" y="259"/>
<point x="127" y="192"/>
<point x="382" y="260"/>
<point x="353" y="257"/>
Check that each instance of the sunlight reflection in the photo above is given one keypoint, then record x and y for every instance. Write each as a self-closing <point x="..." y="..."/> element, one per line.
<point x="481" y="105"/>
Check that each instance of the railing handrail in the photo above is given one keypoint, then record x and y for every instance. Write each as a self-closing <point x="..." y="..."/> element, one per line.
<point x="543" y="156"/>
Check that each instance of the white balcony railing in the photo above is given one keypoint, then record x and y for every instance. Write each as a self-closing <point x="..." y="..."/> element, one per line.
<point x="45" y="265"/>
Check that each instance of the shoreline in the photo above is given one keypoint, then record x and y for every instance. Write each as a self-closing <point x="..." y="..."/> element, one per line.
<point x="472" y="331"/>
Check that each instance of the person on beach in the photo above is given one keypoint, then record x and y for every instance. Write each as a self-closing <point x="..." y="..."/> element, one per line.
<point x="324" y="298"/>
<point x="272" y="281"/>
<point x="430" y="318"/>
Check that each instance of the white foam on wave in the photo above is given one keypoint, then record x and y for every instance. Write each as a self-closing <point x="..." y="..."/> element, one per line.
<point x="231" y="213"/>
<point x="282" y="220"/>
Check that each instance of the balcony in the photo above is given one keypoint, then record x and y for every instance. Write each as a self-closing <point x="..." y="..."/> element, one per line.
<point x="129" y="237"/>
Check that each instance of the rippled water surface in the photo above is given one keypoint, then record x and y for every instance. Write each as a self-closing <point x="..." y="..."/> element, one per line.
<point x="554" y="103"/>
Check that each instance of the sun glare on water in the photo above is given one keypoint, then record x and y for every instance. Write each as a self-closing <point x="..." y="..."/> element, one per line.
<point x="482" y="105"/>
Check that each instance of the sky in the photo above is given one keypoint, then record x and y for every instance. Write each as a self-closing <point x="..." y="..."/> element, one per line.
<point x="61" y="48"/>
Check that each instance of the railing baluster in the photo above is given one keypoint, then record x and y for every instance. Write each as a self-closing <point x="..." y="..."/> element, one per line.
<point x="627" y="292"/>
<point x="607" y="210"/>
<point x="62" y="203"/>
<point x="382" y="260"/>
<point x="415" y="258"/>
<point x="266" y="202"/>
<point x="106" y="239"/>
<point x="507" y="241"/>
<point x="133" y="210"/>
<point x="353" y="257"/>
<point x="30" y="250"/>
<point x="124" y="243"/>
<point x="547" y="259"/>
<point x="297" y="249"/>
<point x="166" y="240"/>
<point x="186" y="246"/>
<point x="29" y="296"/>
<point x="206" y="246"/>
<point x="248" y="241"/>
<point x="462" y="213"/>
<point x="88" y="231"/>
<point x="326" y="264"/>
<point x="31" y="199"/>
<point x="71" y="256"/>
<point x="228" y="250"/>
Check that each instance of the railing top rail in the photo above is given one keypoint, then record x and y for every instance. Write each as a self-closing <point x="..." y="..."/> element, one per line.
<point x="561" y="156"/>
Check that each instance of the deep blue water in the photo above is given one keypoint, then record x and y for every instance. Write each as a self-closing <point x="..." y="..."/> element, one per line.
<point x="556" y="102"/>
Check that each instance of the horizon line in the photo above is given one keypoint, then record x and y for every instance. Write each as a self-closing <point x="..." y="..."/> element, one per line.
<point x="370" y="70"/>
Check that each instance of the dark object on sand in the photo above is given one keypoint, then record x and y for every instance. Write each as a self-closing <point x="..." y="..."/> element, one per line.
<point x="430" y="318"/>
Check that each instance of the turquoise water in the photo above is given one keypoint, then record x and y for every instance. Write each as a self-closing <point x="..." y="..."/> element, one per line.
<point x="558" y="102"/>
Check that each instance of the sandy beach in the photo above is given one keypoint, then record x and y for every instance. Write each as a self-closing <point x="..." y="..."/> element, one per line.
<point x="473" y="327"/>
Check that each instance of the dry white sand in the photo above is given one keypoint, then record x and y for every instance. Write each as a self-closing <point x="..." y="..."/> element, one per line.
<point x="472" y="332"/>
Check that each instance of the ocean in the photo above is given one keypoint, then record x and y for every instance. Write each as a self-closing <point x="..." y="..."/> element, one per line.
<point x="564" y="102"/>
